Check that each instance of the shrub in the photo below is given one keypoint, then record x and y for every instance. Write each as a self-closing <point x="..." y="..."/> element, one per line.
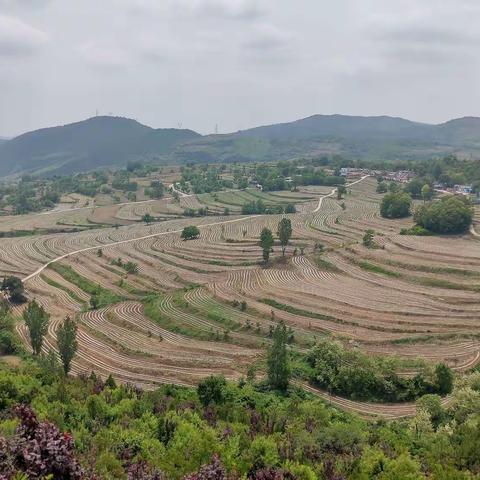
<point x="190" y="232"/>
<point x="415" y="230"/>
<point x="382" y="187"/>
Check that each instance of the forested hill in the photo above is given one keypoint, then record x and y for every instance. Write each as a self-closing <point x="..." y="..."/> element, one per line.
<point x="92" y="143"/>
<point x="113" y="141"/>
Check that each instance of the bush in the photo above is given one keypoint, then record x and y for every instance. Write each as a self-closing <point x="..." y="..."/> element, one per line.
<point x="448" y="215"/>
<point x="396" y="205"/>
<point x="415" y="230"/>
<point x="190" y="232"/>
<point x="212" y="390"/>
<point x="382" y="187"/>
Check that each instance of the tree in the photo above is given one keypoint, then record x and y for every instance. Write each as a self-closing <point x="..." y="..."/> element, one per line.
<point x="448" y="215"/>
<point x="290" y="208"/>
<point x="395" y="205"/>
<point x="277" y="362"/>
<point x="368" y="239"/>
<point x="212" y="390"/>
<point x="341" y="190"/>
<point x="266" y="243"/>
<point x="284" y="233"/>
<point x="444" y="377"/>
<point x="147" y="218"/>
<point x="426" y="192"/>
<point x="382" y="187"/>
<point x="190" y="232"/>
<point x="131" y="267"/>
<point x="94" y="302"/>
<point x="14" y="288"/>
<point x="67" y="342"/>
<point x="36" y="319"/>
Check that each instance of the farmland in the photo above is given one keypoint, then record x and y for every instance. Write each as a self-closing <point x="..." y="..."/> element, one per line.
<point x="180" y="318"/>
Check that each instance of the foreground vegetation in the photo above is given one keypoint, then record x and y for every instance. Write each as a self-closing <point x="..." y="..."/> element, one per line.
<point x="221" y="430"/>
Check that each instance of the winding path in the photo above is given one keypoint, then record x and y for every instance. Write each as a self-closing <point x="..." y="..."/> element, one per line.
<point x="332" y="193"/>
<point x="366" y="409"/>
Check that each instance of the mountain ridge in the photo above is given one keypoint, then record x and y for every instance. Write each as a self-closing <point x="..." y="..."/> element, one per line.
<point x="106" y="141"/>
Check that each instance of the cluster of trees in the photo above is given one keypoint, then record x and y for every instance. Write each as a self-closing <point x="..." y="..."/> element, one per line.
<point x="396" y="205"/>
<point x="28" y="195"/>
<point x="129" y="267"/>
<point x="274" y="177"/>
<point x="221" y="430"/>
<point x="156" y="189"/>
<point x="203" y="179"/>
<point x="256" y="207"/>
<point x="37" y="319"/>
<point x="284" y="233"/>
<point x="355" y="375"/>
<point x="453" y="214"/>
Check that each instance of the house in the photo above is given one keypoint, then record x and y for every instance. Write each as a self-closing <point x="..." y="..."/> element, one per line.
<point x="463" y="189"/>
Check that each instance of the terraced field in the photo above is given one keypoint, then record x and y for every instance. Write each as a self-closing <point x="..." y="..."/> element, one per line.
<point x="181" y="317"/>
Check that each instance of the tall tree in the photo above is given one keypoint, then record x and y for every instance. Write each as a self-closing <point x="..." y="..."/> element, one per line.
<point x="67" y="342"/>
<point x="284" y="233"/>
<point x="444" y="376"/>
<point x="277" y="362"/>
<point x="266" y="243"/>
<point x="36" y="320"/>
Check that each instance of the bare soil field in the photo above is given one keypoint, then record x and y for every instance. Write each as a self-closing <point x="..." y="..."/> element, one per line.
<point x="180" y="317"/>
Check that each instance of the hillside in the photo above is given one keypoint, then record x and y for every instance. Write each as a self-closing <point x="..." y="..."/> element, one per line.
<point x="375" y="138"/>
<point x="113" y="141"/>
<point x="92" y="143"/>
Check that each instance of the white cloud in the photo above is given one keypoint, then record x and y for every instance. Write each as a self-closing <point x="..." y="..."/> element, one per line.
<point x="18" y="38"/>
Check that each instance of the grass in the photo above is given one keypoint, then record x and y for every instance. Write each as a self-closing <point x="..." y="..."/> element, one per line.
<point x="297" y="311"/>
<point x="325" y="264"/>
<point x="105" y="296"/>
<point x="371" y="267"/>
<point x="151" y="305"/>
<point x="320" y="316"/>
<point x="433" y="269"/>
<point x="55" y="284"/>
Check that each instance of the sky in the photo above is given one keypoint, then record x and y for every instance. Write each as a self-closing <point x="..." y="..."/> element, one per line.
<point x="236" y="64"/>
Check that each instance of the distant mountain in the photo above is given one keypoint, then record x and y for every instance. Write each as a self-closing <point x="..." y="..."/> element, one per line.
<point x="113" y="141"/>
<point x="377" y="138"/>
<point x="96" y="142"/>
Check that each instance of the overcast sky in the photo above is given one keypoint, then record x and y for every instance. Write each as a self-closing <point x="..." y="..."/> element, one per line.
<point x="236" y="63"/>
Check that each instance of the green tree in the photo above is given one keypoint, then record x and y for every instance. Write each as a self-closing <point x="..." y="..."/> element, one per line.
<point x="382" y="187"/>
<point x="396" y="205"/>
<point x="212" y="390"/>
<point x="266" y="243"/>
<point x="67" y="342"/>
<point x="284" y="233"/>
<point x="36" y="319"/>
<point x="448" y="215"/>
<point x="147" y="218"/>
<point x="94" y="302"/>
<point x="341" y="190"/>
<point x="426" y="192"/>
<point x="277" y="362"/>
<point x="444" y="377"/>
<point x="131" y="267"/>
<point x="368" y="239"/>
<point x="190" y="232"/>
<point x="14" y="288"/>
